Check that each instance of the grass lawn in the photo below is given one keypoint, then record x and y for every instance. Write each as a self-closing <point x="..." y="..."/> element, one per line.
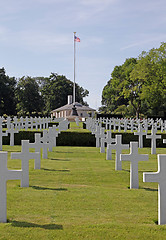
<point x="77" y="194"/>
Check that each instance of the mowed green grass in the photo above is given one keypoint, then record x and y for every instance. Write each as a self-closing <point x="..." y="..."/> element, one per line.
<point x="77" y="194"/>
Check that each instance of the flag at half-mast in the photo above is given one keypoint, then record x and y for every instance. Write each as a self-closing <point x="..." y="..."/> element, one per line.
<point x="76" y="39"/>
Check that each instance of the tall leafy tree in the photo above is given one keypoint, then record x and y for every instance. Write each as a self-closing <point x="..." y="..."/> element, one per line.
<point x="141" y="82"/>
<point x="55" y="90"/>
<point x="7" y="94"/>
<point x="120" y="90"/>
<point x="151" y="72"/>
<point x="28" y="96"/>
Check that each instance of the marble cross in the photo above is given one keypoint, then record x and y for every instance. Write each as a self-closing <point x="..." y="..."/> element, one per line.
<point x="1" y="135"/>
<point x="108" y="140"/>
<point x="118" y="146"/>
<point x="97" y="135"/>
<point x="153" y="138"/>
<point x="160" y="178"/>
<point x="5" y="175"/>
<point x="12" y="131"/>
<point x="134" y="157"/>
<point x="37" y="145"/>
<point x="45" y="142"/>
<point x="140" y="133"/>
<point x="25" y="156"/>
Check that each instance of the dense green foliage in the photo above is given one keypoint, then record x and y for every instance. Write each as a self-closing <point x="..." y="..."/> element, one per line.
<point x="7" y="94"/>
<point x="55" y="90"/>
<point x="138" y="86"/>
<point x="34" y="96"/>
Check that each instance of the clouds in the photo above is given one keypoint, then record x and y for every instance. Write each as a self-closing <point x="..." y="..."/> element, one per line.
<point x="110" y="31"/>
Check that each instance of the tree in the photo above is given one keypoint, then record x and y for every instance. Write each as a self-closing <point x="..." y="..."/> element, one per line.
<point x="120" y="90"/>
<point x="28" y="96"/>
<point x="7" y="94"/>
<point x="141" y="82"/>
<point x="56" y="89"/>
<point x="151" y="72"/>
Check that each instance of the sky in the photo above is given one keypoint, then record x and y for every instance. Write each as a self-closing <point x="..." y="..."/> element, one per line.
<point x="36" y="38"/>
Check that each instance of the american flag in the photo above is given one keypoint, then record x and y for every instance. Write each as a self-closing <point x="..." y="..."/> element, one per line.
<point x="76" y="39"/>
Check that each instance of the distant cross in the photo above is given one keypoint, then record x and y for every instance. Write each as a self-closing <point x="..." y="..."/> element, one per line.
<point x="108" y="140"/>
<point x="12" y="131"/>
<point x="37" y="145"/>
<point x="25" y="156"/>
<point x="125" y="125"/>
<point x="132" y="125"/>
<point x="118" y="146"/>
<point x="5" y="175"/>
<point x="140" y="133"/>
<point x="51" y="138"/>
<point x="160" y="178"/>
<point x="97" y="135"/>
<point x="134" y="157"/>
<point x="153" y="138"/>
<point x="8" y="122"/>
<point x="2" y="134"/>
<point x="45" y="142"/>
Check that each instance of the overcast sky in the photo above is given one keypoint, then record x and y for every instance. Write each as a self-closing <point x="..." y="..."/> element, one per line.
<point x="36" y="37"/>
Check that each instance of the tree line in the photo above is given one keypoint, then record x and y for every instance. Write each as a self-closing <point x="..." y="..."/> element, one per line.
<point x="138" y="86"/>
<point x="36" y="96"/>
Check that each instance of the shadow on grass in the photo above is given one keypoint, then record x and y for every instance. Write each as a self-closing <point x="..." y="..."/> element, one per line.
<point x="34" y="225"/>
<point x="155" y="221"/>
<point x="63" y="152"/>
<point x="126" y="170"/>
<point x="54" y="170"/>
<point x="150" y="189"/>
<point x="56" y="159"/>
<point x="45" y="188"/>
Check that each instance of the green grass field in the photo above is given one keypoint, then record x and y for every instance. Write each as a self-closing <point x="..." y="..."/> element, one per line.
<point x="77" y="194"/>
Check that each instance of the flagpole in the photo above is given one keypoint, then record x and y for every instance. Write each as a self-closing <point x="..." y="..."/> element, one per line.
<point x="74" y="94"/>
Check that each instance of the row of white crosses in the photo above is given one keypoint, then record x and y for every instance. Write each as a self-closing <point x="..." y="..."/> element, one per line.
<point x="132" y="124"/>
<point x="12" y="128"/>
<point x="48" y="141"/>
<point x="22" y="174"/>
<point x="134" y="157"/>
<point x="25" y="155"/>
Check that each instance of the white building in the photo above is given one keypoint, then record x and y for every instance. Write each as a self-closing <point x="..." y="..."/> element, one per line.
<point x="65" y="111"/>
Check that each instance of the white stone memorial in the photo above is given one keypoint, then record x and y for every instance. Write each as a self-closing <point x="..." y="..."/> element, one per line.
<point x="160" y="178"/>
<point x="118" y="146"/>
<point x="153" y="138"/>
<point x="5" y="175"/>
<point x="45" y="142"/>
<point x="37" y="145"/>
<point x="134" y="157"/>
<point x="24" y="156"/>
<point x="12" y="131"/>
<point x="2" y="134"/>
<point x="140" y="133"/>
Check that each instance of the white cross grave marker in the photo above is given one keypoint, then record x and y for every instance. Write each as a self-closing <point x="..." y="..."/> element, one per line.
<point x="153" y="138"/>
<point x="160" y="178"/>
<point x="140" y="133"/>
<point x="1" y="135"/>
<point x="5" y="175"/>
<point x="118" y="146"/>
<point x="108" y="140"/>
<point x="134" y="157"/>
<point x="45" y="142"/>
<point x="25" y="156"/>
<point x="12" y="131"/>
<point x="37" y="145"/>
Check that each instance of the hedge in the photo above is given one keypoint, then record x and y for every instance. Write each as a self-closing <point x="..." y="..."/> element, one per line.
<point x="66" y="138"/>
